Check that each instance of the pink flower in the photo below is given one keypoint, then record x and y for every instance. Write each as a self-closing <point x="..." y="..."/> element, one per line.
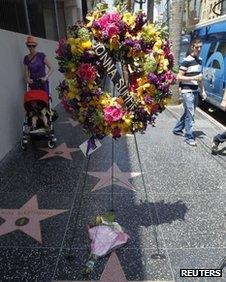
<point x="112" y="29"/>
<point x="113" y="113"/>
<point x="170" y="77"/>
<point x="108" y="19"/>
<point x="59" y="47"/>
<point x="103" y="21"/>
<point x="86" y="72"/>
<point x="114" y="17"/>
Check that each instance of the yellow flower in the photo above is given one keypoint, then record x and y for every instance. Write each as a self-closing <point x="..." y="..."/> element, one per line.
<point x="157" y="46"/>
<point x="150" y="30"/>
<point x="166" y="101"/>
<point x="72" y="67"/>
<point x="114" y="42"/>
<point x="163" y="65"/>
<point x="129" y="19"/>
<point x="127" y="119"/>
<point x="124" y="128"/>
<point x="135" y="53"/>
<point x="96" y="33"/>
<point x="138" y="125"/>
<point x="70" y="41"/>
<point x="86" y="45"/>
<point x="76" y="47"/>
<point x="71" y="95"/>
<point x="90" y="20"/>
<point x="150" y="89"/>
<point x="91" y="17"/>
<point x="147" y="109"/>
<point x="142" y="80"/>
<point x="94" y="102"/>
<point x="69" y="75"/>
<point x="104" y="100"/>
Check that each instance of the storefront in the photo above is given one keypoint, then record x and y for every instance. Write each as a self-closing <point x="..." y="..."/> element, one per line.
<point x="42" y="18"/>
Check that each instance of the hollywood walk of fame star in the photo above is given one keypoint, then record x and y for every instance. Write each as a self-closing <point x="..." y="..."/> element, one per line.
<point x="113" y="270"/>
<point x="61" y="151"/>
<point x="27" y="219"/>
<point x="120" y="178"/>
<point x="71" y="121"/>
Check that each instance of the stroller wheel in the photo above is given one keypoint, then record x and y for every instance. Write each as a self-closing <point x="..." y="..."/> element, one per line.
<point x="23" y="145"/>
<point x="51" y="144"/>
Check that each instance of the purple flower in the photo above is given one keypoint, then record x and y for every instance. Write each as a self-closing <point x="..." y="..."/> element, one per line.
<point x="153" y="78"/>
<point x="140" y="21"/>
<point x="168" y="54"/>
<point x="97" y="93"/>
<point x="148" y="100"/>
<point x="129" y="42"/>
<point x="96" y="25"/>
<point x="137" y="45"/>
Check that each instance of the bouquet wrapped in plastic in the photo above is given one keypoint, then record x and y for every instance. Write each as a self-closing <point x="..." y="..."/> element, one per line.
<point x="106" y="235"/>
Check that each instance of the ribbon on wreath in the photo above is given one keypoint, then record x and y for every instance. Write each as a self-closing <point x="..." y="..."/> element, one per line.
<point x="91" y="144"/>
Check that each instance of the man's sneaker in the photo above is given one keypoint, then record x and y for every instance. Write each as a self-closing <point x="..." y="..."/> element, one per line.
<point x="178" y="133"/>
<point x="191" y="142"/>
<point x="214" y="147"/>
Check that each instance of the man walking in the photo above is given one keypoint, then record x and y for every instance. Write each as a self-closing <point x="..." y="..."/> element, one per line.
<point x="190" y="77"/>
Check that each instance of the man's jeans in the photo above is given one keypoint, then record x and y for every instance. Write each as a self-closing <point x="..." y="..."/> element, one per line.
<point x="220" y="138"/>
<point x="190" y="101"/>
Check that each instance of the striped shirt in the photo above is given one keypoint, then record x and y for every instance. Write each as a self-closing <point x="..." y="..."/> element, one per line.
<point x="191" y="66"/>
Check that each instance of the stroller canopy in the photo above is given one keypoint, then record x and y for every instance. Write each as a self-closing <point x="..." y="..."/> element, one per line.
<point x="35" y="95"/>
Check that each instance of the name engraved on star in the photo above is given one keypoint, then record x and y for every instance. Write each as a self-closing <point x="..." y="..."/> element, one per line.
<point x="7" y="212"/>
<point x="114" y="75"/>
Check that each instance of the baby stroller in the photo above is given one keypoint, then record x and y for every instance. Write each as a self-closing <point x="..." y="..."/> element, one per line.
<point x="35" y="99"/>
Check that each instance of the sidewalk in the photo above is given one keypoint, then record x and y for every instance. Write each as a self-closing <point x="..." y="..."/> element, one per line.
<point x="173" y="207"/>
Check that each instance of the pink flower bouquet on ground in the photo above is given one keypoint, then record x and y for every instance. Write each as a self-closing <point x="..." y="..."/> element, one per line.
<point x="106" y="235"/>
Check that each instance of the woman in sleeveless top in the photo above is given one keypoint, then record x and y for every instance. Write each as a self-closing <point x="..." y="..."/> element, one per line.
<point x="35" y="66"/>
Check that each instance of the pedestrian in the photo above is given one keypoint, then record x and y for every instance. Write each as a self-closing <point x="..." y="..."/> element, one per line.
<point x="35" y="66"/>
<point x="190" y="79"/>
<point x="35" y="74"/>
<point x="219" y="138"/>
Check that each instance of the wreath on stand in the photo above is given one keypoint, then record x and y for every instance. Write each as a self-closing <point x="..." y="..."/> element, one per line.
<point x="136" y="56"/>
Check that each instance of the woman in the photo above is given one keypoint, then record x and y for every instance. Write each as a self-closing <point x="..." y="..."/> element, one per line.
<point x="35" y="66"/>
<point x="35" y="74"/>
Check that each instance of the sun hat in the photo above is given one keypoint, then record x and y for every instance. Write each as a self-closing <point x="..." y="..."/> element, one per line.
<point x="31" y="40"/>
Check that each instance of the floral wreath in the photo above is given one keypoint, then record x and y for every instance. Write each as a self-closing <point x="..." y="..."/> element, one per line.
<point x="135" y="55"/>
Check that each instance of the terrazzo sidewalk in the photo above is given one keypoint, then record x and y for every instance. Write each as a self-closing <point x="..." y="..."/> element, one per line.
<point x="168" y="196"/>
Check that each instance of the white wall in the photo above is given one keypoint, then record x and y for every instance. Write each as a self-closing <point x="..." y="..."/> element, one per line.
<point x="12" y="85"/>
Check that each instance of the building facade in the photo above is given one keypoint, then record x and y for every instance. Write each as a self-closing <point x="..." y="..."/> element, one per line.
<point x="198" y="11"/>
<point x="210" y="9"/>
<point x="42" y="18"/>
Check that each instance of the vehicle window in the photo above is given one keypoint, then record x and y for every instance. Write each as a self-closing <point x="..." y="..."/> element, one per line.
<point x="212" y="49"/>
<point x="222" y="48"/>
<point x="216" y="64"/>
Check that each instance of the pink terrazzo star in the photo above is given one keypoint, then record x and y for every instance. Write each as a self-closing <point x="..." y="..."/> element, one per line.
<point x="113" y="270"/>
<point x="71" y="121"/>
<point x="60" y="151"/>
<point x="27" y="219"/>
<point x="120" y="178"/>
